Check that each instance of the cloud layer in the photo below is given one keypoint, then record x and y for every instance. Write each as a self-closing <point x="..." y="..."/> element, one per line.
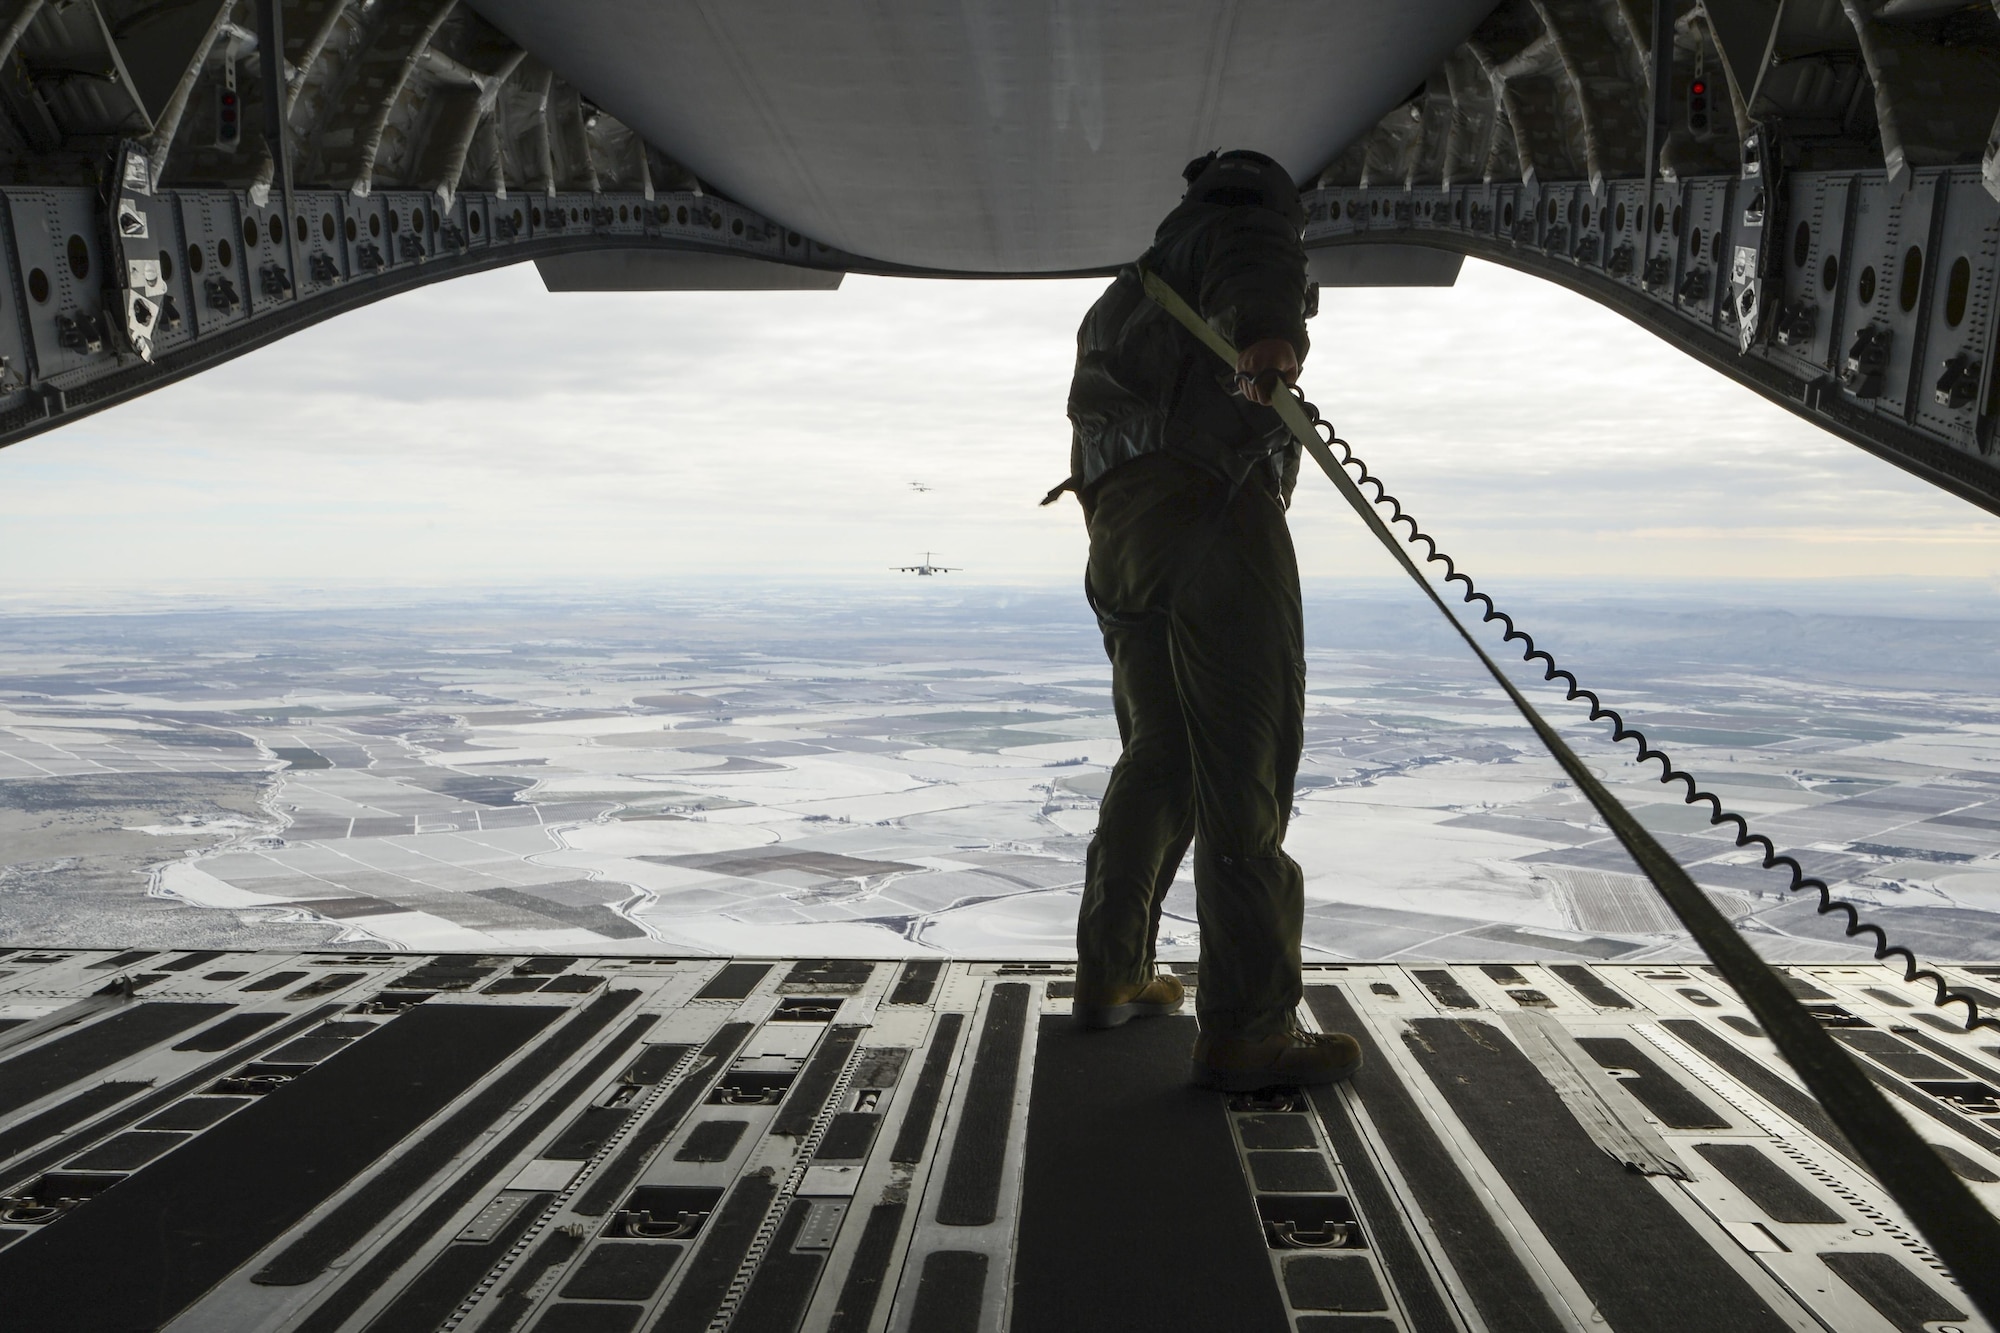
<point x="484" y="430"/>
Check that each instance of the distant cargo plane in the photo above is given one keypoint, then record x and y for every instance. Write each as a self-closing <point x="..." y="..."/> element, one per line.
<point x="926" y="568"/>
<point x="918" y="486"/>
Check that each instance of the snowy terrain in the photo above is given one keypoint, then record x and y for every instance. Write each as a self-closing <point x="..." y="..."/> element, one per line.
<point x="801" y="775"/>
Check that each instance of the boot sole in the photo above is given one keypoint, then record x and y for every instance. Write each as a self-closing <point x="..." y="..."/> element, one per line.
<point x="1256" y="1080"/>
<point x="1117" y="1015"/>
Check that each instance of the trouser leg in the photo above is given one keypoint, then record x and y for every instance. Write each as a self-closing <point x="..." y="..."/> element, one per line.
<point x="1163" y="883"/>
<point x="1239" y="666"/>
<point x="1146" y="818"/>
<point x="1197" y="590"/>
<point x="1142" y="519"/>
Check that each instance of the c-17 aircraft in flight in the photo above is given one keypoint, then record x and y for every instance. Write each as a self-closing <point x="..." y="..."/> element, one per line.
<point x="926" y="568"/>
<point x="1799" y="194"/>
<point x="919" y="487"/>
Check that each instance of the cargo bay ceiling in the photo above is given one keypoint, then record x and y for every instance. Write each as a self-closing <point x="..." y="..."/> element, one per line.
<point x="991" y="137"/>
<point x="1801" y="193"/>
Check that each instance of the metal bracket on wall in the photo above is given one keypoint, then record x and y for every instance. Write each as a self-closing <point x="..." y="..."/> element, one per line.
<point x="120" y="292"/>
<point x="1863" y="306"/>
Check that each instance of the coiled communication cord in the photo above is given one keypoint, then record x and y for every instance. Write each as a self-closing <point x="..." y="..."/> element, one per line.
<point x="1957" y="1225"/>
<point x="1621" y="731"/>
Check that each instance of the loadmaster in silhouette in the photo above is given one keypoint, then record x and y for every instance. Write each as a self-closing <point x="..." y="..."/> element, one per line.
<point x="1184" y="473"/>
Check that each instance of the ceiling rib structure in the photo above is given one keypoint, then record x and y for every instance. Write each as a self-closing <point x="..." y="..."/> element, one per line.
<point x="185" y="181"/>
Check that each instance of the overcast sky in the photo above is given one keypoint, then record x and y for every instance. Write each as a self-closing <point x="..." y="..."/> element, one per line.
<point x="486" y="431"/>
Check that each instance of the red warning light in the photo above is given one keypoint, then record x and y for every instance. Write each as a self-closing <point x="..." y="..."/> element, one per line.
<point x="1697" y="108"/>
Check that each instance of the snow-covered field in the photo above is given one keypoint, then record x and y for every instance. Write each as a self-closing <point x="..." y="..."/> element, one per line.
<point x="686" y="777"/>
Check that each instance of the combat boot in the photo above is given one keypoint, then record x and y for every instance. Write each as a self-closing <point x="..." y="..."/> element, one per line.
<point x="1294" y="1059"/>
<point x="1111" y="1006"/>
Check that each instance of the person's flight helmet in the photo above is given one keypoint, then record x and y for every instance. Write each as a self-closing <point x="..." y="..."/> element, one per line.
<point x="1241" y="176"/>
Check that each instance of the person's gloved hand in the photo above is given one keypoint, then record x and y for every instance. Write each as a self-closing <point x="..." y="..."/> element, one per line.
<point x="1260" y="362"/>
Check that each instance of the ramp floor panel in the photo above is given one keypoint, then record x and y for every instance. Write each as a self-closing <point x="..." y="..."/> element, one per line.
<point x="769" y="1145"/>
<point x="1165" y="1235"/>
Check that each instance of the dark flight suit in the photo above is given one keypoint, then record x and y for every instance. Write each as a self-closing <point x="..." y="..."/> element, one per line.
<point x="1196" y="588"/>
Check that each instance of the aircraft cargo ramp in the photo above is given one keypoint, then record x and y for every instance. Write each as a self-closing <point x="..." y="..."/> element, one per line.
<point x="394" y="1143"/>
